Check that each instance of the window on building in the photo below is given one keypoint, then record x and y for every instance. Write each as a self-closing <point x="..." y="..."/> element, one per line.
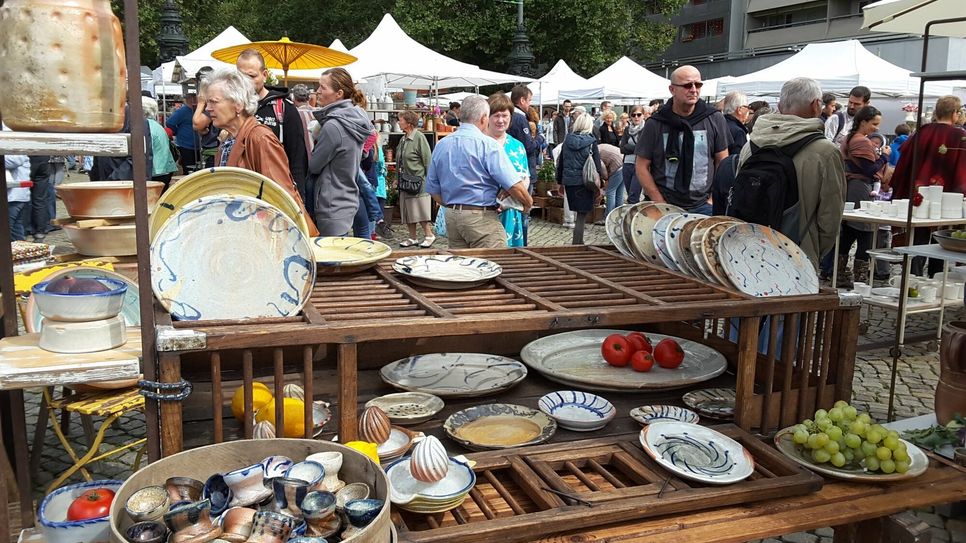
<point x="716" y="27"/>
<point x="794" y="15"/>
<point x="702" y="29"/>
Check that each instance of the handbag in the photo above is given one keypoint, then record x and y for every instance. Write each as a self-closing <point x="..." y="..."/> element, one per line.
<point x="409" y="183"/>
<point x="590" y="176"/>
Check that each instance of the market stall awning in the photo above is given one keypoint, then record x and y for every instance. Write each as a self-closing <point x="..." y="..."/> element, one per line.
<point x="624" y="79"/>
<point x="911" y="16"/>
<point x="546" y="89"/>
<point x="186" y="66"/>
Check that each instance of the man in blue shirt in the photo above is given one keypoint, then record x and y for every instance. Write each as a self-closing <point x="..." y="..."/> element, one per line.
<point x="469" y="170"/>
<point x="184" y="134"/>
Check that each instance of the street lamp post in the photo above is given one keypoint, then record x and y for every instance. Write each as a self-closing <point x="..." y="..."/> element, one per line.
<point x="520" y="60"/>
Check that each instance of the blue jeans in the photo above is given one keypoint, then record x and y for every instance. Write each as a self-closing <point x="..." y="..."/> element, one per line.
<point x="367" y="195"/>
<point x="704" y="209"/>
<point x="361" y="227"/>
<point x="57" y="170"/>
<point x="615" y="190"/>
<point x="631" y="184"/>
<point x="16" y="210"/>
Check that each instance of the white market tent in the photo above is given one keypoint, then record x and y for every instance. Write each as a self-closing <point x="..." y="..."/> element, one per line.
<point x="837" y="67"/>
<point x="186" y="66"/>
<point x="560" y="77"/>
<point x="911" y="16"/>
<point x="624" y="79"/>
<point x="313" y="75"/>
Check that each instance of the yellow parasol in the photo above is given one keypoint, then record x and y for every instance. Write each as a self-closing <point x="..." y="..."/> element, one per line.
<point x="286" y="54"/>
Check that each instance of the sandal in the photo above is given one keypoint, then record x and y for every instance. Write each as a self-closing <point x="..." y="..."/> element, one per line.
<point x="428" y="242"/>
<point x="408" y="243"/>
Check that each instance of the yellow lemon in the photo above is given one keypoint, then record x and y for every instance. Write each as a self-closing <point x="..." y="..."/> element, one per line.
<point x="293" y="417"/>
<point x="260" y="396"/>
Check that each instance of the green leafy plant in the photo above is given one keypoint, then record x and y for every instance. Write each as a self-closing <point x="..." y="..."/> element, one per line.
<point x="547" y="171"/>
<point x="935" y="437"/>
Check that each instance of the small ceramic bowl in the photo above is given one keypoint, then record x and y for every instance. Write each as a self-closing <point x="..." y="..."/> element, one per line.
<point x="350" y="492"/>
<point x="119" y="240"/>
<point x="276" y="466"/>
<point x="246" y="485"/>
<point x="578" y="411"/>
<point x="317" y="505"/>
<point x="147" y="504"/>
<point x="646" y="414"/>
<point x="362" y="512"/>
<point x="183" y="488"/>
<point x="53" y="515"/>
<point x="81" y="307"/>
<point x="146" y="532"/>
<point x="308" y="471"/>
<point x="191" y="521"/>
<point x="219" y="493"/>
<point x="308" y="540"/>
<point x="236" y="524"/>
<point x="331" y="462"/>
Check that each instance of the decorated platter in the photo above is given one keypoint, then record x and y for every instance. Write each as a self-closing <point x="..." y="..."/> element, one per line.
<point x="640" y="223"/>
<point x="716" y="403"/>
<point x="673" y="239"/>
<point x="688" y="262"/>
<point x="446" y="271"/>
<point x="647" y="414"/>
<point x="660" y="240"/>
<point x="761" y="262"/>
<point x="574" y="359"/>
<point x="408" y="407"/>
<point x="577" y="410"/>
<point x="614" y="224"/>
<point x="341" y="255"/>
<point x="130" y="308"/>
<point x="697" y="453"/>
<point x="231" y="257"/>
<point x="918" y="462"/>
<point x="499" y="426"/>
<point x="709" y="248"/>
<point x="697" y="251"/>
<point x="627" y="231"/>
<point x="454" y="375"/>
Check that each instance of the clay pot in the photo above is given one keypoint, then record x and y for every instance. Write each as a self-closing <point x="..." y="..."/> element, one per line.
<point x="270" y="527"/>
<point x="236" y="524"/>
<point x="183" y="488"/>
<point x="951" y="389"/>
<point x="191" y="522"/>
<point x="61" y="66"/>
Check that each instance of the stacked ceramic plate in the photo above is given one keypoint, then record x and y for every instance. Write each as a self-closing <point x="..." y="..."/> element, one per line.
<point x="410" y="494"/>
<point x="344" y="255"/>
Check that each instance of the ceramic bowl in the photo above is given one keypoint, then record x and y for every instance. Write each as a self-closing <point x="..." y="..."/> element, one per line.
<point x="218" y="492"/>
<point x="146" y="532"/>
<point x="308" y="471"/>
<point x="148" y="504"/>
<point x="268" y="525"/>
<point x="499" y="426"/>
<point x="646" y="414"/>
<point x="408" y="407"/>
<point x="81" y="307"/>
<point x="236" y="524"/>
<point x="52" y="516"/>
<point x="82" y="337"/>
<point x="578" y="411"/>
<point x="246" y="485"/>
<point x="183" y="488"/>
<point x="191" y="521"/>
<point x="105" y="199"/>
<point x="404" y="489"/>
<point x="351" y="491"/>
<point x="362" y="512"/>
<point x="307" y="540"/>
<point x="276" y="466"/>
<point x="116" y="240"/>
<point x="399" y="442"/>
<point x="331" y="462"/>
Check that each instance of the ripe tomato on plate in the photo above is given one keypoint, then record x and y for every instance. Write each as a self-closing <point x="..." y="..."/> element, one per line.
<point x="668" y="353"/>
<point x="93" y="503"/>
<point x="616" y="350"/>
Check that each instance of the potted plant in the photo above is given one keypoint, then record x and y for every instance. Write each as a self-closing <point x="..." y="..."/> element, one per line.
<point x="546" y="178"/>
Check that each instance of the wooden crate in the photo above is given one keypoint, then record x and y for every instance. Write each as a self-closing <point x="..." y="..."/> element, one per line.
<point x="510" y="502"/>
<point x="554" y="214"/>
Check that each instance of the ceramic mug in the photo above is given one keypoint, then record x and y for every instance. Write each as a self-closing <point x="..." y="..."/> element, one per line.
<point x="849" y="206"/>
<point x="895" y="281"/>
<point x="927" y="293"/>
<point x="953" y="291"/>
<point x="863" y="289"/>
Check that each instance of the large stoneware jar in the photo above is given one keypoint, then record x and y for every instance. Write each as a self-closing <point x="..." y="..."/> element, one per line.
<point x="61" y="66"/>
<point x="951" y="390"/>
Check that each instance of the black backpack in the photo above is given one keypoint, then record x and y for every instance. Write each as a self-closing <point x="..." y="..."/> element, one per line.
<point x="766" y="186"/>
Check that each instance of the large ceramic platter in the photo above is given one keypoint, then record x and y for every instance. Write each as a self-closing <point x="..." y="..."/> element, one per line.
<point x="709" y="248"/>
<point x="615" y="229"/>
<point x="408" y="407"/>
<point x="673" y="237"/>
<point x="224" y="181"/>
<point x="688" y="263"/>
<point x="454" y="375"/>
<point x="499" y="426"/>
<point x="340" y="255"/>
<point x="231" y="257"/>
<point x="763" y="262"/>
<point x="715" y="403"/>
<point x="627" y="231"/>
<point x="660" y="240"/>
<point x="697" y="453"/>
<point x="446" y="271"/>
<point x="130" y="309"/>
<point x="574" y="359"/>
<point x="918" y="462"/>
<point x="642" y="224"/>
<point x="696" y="250"/>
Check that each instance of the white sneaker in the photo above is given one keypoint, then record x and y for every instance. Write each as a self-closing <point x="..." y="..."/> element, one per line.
<point x="569" y="225"/>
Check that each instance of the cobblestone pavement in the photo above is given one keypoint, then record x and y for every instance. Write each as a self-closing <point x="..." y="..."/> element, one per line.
<point x="918" y="374"/>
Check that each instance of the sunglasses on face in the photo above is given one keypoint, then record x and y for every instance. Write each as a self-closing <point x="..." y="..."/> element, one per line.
<point x="691" y="85"/>
<point x="637" y="115"/>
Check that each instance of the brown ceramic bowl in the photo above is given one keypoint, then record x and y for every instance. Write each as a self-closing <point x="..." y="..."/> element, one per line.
<point x="103" y="240"/>
<point x="105" y="199"/>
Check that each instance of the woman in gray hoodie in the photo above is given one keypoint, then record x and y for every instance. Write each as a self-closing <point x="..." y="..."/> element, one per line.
<point x="344" y="127"/>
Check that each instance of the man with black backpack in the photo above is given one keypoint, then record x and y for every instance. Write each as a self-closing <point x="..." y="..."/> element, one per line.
<point x="789" y="176"/>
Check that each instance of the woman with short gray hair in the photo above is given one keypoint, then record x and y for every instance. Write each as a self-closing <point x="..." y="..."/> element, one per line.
<point x="163" y="164"/>
<point x="735" y="108"/>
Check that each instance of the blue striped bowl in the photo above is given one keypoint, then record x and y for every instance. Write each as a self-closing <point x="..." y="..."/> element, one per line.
<point x="576" y="410"/>
<point x="53" y="515"/>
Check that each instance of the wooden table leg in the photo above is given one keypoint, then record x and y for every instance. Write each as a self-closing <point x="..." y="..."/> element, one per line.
<point x="172" y="438"/>
<point x="902" y="527"/>
<point x="21" y="457"/>
<point x="348" y="392"/>
<point x="747" y="361"/>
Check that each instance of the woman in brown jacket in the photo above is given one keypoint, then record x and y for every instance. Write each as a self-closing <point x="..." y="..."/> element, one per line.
<point x="231" y="104"/>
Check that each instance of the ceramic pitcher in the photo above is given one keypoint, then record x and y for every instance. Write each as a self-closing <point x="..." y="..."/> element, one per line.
<point x="61" y="66"/>
<point x="951" y="389"/>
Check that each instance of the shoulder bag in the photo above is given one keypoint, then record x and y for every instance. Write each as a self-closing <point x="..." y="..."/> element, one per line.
<point x="408" y="183"/>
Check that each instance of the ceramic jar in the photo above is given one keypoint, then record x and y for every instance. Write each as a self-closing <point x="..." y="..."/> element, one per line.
<point x="191" y="521"/>
<point x="269" y="527"/>
<point x="288" y="494"/>
<point x="374" y="425"/>
<point x="951" y="389"/>
<point x="429" y="462"/>
<point x="61" y="66"/>
<point x="331" y="462"/>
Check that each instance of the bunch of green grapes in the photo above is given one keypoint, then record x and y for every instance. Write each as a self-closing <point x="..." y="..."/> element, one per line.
<point x="846" y="438"/>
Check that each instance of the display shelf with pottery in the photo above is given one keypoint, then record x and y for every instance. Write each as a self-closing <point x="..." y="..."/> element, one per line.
<point x="446" y="271"/>
<point x="918" y="462"/>
<point x="344" y="255"/>
<point x="499" y="426"/>
<point x="574" y="359"/>
<point x="454" y="375"/>
<point x="697" y="453"/>
<point x="576" y="410"/>
<point x="406" y="408"/>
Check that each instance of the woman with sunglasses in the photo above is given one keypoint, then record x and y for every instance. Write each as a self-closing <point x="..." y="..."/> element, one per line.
<point x="628" y="144"/>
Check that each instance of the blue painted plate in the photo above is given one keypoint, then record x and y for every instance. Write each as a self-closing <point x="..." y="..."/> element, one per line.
<point x="647" y="414"/>
<point x="577" y="410"/>
<point x="697" y="453"/>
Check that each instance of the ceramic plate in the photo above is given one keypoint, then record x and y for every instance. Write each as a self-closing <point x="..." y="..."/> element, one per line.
<point x="130" y="310"/>
<point x="888" y="292"/>
<point x="660" y="240"/>
<point x="684" y="248"/>
<point x="615" y="229"/>
<point x="717" y="403"/>
<point x="408" y="407"/>
<point x="398" y="444"/>
<point x="231" y="257"/>
<point x="763" y="262"/>
<point x="696" y="250"/>
<point x="574" y="359"/>
<point x="499" y="426"/>
<point x="339" y="255"/>
<point x="697" y="453"/>
<point x="446" y="271"/>
<point x="918" y="462"/>
<point x="405" y="489"/>
<point x="673" y="239"/>
<point x="627" y="231"/>
<point x="709" y="247"/>
<point x="642" y="229"/>
<point x="454" y="375"/>
<point x="221" y="182"/>
<point x="647" y="414"/>
<point x="576" y="410"/>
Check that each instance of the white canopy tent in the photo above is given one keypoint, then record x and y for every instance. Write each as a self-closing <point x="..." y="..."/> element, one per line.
<point x="911" y="16"/>
<point x="186" y="66"/>
<point x="624" y="79"/>
<point x="560" y="77"/>
<point x="838" y="67"/>
<point x="313" y="75"/>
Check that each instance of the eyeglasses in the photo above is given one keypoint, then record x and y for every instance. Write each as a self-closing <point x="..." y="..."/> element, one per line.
<point x="637" y="114"/>
<point x="691" y="85"/>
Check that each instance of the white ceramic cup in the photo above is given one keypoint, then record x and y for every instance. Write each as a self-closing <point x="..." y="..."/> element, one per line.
<point x="849" y="206"/>
<point x="953" y="291"/>
<point x="863" y="289"/>
<point x="865" y="205"/>
<point x="890" y="209"/>
<point x="902" y="207"/>
<point x="895" y="280"/>
<point x="935" y="210"/>
<point x="927" y="293"/>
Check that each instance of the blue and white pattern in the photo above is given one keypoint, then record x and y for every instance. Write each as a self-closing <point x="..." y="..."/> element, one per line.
<point x="648" y="414"/>
<point x="763" y="262"/>
<point x="454" y="375"/>
<point x="231" y="257"/>
<point x="638" y="228"/>
<point x="52" y="515"/>
<point x="340" y="251"/>
<point x="673" y="237"/>
<point x="660" y="240"/>
<point x="577" y="410"/>
<point x="697" y="453"/>
<point x="447" y="271"/>
<point x="716" y="403"/>
<point x="614" y="224"/>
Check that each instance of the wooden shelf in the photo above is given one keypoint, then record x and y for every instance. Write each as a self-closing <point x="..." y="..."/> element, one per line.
<point x="44" y="143"/>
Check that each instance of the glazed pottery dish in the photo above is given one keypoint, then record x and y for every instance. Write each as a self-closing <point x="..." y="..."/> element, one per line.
<point x="716" y="403"/>
<point x="576" y="410"/>
<point x="709" y="249"/>
<point x="407" y="491"/>
<point x="105" y="199"/>
<point x="398" y="444"/>
<point x="660" y="240"/>
<point x="103" y="301"/>
<point x="116" y="240"/>
<point x="341" y="255"/>
<point x="640" y="223"/>
<point x="615" y="229"/>
<point x="130" y="306"/>
<point x="673" y="236"/>
<point x="499" y="426"/>
<point x="697" y="453"/>
<point x="52" y="515"/>
<point x="697" y="252"/>
<point x="574" y="359"/>
<point x="761" y="261"/>
<point x="351" y="491"/>
<point x="408" y="407"/>
<point x="231" y="258"/>
<point x="446" y="271"/>
<point x="646" y="414"/>
<point x="454" y="375"/>
<point x="918" y="462"/>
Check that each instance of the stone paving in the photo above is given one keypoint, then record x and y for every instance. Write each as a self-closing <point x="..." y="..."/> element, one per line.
<point x="918" y="374"/>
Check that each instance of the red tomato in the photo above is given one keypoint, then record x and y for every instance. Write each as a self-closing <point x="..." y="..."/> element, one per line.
<point x="642" y="336"/>
<point x="93" y="503"/>
<point x="668" y="354"/>
<point x="642" y="361"/>
<point x="638" y="342"/>
<point x="616" y="350"/>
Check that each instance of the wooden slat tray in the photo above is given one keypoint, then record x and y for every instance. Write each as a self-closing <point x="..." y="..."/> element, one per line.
<point x="511" y="503"/>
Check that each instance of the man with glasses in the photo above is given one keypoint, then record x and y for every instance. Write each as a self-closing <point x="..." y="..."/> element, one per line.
<point x="838" y="124"/>
<point x="681" y="146"/>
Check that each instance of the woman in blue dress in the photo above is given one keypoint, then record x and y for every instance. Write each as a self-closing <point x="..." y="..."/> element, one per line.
<point x="501" y="109"/>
